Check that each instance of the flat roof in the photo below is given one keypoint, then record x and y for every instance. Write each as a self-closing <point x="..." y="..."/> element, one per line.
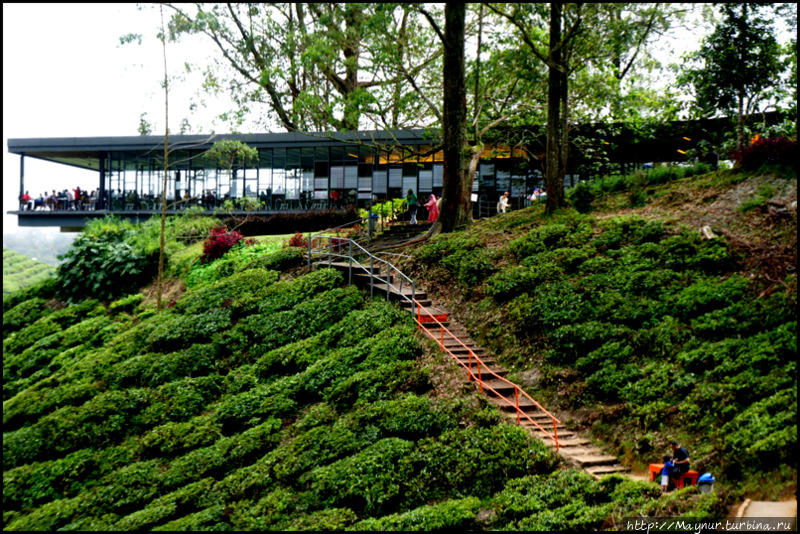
<point x="85" y="152"/>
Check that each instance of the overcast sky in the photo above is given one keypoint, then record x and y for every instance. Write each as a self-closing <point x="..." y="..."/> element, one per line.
<point x="65" y="74"/>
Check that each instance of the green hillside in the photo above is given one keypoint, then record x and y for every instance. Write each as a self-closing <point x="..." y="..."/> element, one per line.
<point x="267" y="397"/>
<point x="262" y="400"/>
<point x="639" y="327"/>
<point x="21" y="271"/>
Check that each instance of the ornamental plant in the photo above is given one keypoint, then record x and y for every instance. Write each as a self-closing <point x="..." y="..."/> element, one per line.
<point x="221" y="241"/>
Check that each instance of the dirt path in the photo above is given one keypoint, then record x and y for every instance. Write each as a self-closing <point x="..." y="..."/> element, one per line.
<point x="768" y="509"/>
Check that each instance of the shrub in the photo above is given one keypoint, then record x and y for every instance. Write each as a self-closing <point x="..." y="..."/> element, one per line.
<point x="531" y="495"/>
<point x="297" y="240"/>
<point x="708" y="294"/>
<point x="176" y="331"/>
<point x="581" y="197"/>
<point x="371" y="481"/>
<point x="315" y="448"/>
<point x="211" y="518"/>
<point x="469" y="266"/>
<point x="241" y="292"/>
<point x="174" y="438"/>
<point x="474" y="461"/>
<point x="224" y="455"/>
<point x="767" y="151"/>
<point x="44" y="289"/>
<point x="279" y="260"/>
<point x="23" y="314"/>
<point x="220" y="241"/>
<point x="101" y="268"/>
<point x="444" y="245"/>
<point x="451" y="514"/>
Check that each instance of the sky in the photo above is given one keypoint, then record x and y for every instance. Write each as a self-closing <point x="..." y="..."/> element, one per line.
<point x="65" y="74"/>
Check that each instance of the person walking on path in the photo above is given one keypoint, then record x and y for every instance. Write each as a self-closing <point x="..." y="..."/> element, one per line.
<point x="433" y="209"/>
<point x="413" y="204"/>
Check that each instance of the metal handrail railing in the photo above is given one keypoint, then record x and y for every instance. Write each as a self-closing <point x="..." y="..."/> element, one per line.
<point x="334" y="249"/>
<point x="354" y="251"/>
<point x="482" y="385"/>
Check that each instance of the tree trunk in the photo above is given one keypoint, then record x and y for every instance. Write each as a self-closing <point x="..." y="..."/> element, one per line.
<point x="740" y="124"/>
<point x="553" y="181"/>
<point x="162" y="239"/>
<point x="350" y="49"/>
<point x="455" y="211"/>
<point x="563" y="149"/>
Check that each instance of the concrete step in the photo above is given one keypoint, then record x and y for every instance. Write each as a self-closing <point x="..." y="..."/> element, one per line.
<point x="601" y="470"/>
<point x="571" y="442"/>
<point x="591" y="460"/>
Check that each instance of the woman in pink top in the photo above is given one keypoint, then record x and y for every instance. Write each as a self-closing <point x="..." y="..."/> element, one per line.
<point x="433" y="209"/>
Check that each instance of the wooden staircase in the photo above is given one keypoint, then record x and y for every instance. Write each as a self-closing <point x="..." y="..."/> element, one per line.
<point x="576" y="450"/>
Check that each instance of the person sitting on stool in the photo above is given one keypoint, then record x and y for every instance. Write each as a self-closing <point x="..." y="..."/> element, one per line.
<point x="680" y="461"/>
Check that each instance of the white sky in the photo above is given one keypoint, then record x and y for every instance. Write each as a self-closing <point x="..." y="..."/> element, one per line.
<point x="65" y="74"/>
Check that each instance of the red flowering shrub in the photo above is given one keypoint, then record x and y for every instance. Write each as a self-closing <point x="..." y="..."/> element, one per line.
<point x="219" y="242"/>
<point x="297" y="240"/>
<point x="767" y="151"/>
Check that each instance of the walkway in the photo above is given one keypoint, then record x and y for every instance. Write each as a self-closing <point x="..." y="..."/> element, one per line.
<point x="454" y="340"/>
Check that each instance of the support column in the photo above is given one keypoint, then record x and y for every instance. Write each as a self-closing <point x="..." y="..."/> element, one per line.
<point x="21" y="176"/>
<point x="101" y="193"/>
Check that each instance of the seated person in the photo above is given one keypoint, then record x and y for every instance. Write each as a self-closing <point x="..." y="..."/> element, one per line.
<point x="680" y="461"/>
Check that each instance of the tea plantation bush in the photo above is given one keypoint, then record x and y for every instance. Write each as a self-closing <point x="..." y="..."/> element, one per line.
<point x="644" y="316"/>
<point x="256" y="402"/>
<point x="251" y="403"/>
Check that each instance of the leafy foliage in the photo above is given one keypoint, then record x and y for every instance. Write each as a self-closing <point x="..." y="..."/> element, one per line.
<point x="219" y="242"/>
<point x="767" y="151"/>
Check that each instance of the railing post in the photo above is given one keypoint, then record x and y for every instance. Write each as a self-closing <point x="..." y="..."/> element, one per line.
<point x="349" y="262"/>
<point x="330" y="251"/>
<point x="419" y="318"/>
<point x="555" y="433"/>
<point x="469" y="367"/>
<point x="441" y="332"/>
<point x="387" y="282"/>
<point x="371" y="276"/>
<point x="309" y="251"/>
<point x="480" y="380"/>
<point x="516" y="401"/>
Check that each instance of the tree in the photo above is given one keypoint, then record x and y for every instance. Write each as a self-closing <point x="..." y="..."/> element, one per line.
<point x="739" y="63"/>
<point x="145" y="128"/>
<point x="455" y="211"/>
<point x="232" y="155"/>
<point x="316" y="66"/>
<point x="161" y="242"/>
<point x="602" y="43"/>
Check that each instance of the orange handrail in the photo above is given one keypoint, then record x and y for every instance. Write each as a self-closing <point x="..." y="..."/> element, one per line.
<point x="339" y="242"/>
<point x="479" y="377"/>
